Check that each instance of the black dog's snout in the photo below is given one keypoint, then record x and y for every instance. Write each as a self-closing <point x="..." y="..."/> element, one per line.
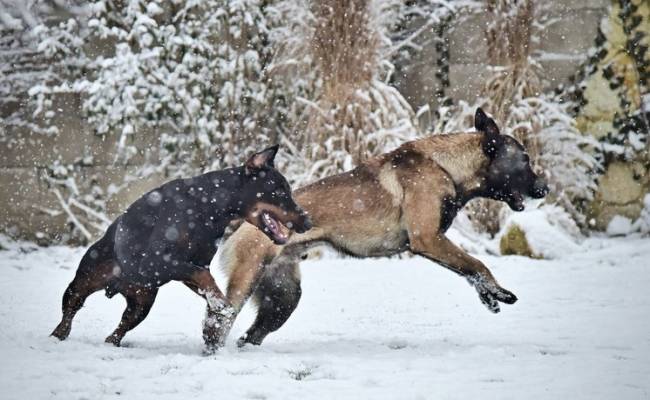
<point x="540" y="189"/>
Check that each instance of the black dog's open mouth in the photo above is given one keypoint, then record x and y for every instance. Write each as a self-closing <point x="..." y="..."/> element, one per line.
<point x="273" y="228"/>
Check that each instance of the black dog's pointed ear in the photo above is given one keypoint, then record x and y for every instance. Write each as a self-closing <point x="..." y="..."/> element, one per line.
<point x="262" y="159"/>
<point x="492" y="139"/>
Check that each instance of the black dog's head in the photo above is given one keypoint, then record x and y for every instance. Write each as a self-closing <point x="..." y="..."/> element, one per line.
<point x="509" y="176"/>
<point x="269" y="196"/>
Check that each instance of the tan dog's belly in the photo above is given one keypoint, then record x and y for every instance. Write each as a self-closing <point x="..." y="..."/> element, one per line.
<point x="389" y="242"/>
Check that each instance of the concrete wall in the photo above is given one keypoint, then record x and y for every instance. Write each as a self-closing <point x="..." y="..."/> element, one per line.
<point x="22" y="162"/>
<point x="24" y="159"/>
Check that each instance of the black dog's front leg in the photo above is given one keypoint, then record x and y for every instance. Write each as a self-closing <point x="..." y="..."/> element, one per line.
<point x="220" y="314"/>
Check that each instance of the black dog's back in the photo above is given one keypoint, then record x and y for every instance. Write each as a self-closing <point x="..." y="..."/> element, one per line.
<point x="172" y="231"/>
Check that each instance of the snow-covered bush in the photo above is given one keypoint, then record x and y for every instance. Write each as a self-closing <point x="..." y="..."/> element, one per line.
<point x="188" y="77"/>
<point x="192" y="71"/>
<point x="548" y="231"/>
<point x="27" y="58"/>
<point x="624" y="63"/>
<point x="81" y="198"/>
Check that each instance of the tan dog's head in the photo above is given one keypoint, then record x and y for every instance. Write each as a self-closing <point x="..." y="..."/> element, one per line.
<point x="509" y="176"/>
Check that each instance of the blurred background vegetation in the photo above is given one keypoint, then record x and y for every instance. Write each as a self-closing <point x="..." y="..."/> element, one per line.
<point x="103" y="100"/>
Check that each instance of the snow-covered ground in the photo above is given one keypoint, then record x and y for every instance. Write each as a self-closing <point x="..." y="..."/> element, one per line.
<point x="365" y="329"/>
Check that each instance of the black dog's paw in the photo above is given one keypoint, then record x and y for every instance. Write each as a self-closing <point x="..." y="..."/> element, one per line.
<point x="59" y="335"/>
<point x="216" y="326"/>
<point x="62" y="331"/>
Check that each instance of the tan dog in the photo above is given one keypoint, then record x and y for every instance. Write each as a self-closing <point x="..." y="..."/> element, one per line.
<point x="404" y="200"/>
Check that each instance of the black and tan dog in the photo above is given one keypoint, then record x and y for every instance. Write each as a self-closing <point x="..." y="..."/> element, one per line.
<point x="403" y="200"/>
<point x="171" y="233"/>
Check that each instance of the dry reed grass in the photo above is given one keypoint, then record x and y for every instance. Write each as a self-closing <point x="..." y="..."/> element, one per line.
<point x="354" y="113"/>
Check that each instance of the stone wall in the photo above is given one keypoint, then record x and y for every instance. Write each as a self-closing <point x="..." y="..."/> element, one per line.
<point x="24" y="193"/>
<point x="623" y="186"/>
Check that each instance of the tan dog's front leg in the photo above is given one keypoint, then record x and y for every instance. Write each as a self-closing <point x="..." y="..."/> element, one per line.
<point x="423" y="211"/>
<point x="443" y="251"/>
<point x="422" y="219"/>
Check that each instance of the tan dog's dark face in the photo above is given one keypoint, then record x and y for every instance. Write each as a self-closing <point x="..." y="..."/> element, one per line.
<point x="510" y="177"/>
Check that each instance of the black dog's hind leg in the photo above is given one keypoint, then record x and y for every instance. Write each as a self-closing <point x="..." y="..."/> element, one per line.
<point x="138" y="303"/>
<point x="94" y="272"/>
<point x="276" y="296"/>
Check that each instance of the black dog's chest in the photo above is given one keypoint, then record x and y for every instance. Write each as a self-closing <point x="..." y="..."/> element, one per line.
<point x="203" y="240"/>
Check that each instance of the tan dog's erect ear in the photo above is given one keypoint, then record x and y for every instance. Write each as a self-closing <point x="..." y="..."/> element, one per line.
<point x="493" y="139"/>
<point x="262" y="159"/>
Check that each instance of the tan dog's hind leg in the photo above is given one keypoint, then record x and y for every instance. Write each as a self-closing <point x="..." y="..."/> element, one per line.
<point x="276" y="296"/>
<point x="243" y="280"/>
<point x="243" y="257"/>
